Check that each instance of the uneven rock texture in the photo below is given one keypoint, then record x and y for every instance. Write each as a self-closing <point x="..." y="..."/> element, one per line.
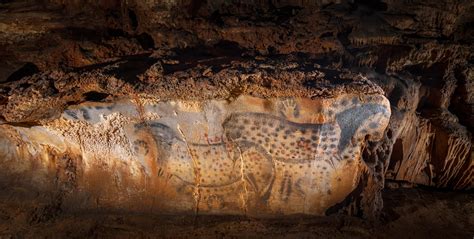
<point x="231" y="147"/>
<point x="223" y="106"/>
<point x="411" y="213"/>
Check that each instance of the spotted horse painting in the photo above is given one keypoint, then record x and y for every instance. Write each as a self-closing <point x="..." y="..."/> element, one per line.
<point x="249" y="156"/>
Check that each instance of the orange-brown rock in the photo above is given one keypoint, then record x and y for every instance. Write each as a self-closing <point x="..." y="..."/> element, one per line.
<point x="107" y="103"/>
<point x="193" y="140"/>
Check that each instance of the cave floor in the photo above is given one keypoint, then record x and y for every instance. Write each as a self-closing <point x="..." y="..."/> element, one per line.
<point x="408" y="213"/>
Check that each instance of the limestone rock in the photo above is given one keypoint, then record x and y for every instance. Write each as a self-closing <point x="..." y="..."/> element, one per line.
<point x="211" y="149"/>
<point x="222" y="106"/>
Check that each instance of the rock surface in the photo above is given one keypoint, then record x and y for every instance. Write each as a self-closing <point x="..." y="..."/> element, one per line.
<point x="108" y="103"/>
<point x="222" y="147"/>
<point x="409" y="213"/>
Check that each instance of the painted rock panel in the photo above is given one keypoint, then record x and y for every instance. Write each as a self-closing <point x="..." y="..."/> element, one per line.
<point x="247" y="156"/>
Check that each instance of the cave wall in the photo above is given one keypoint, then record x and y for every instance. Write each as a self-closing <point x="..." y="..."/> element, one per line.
<point x="71" y="54"/>
<point x="250" y="156"/>
<point x="202" y="142"/>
